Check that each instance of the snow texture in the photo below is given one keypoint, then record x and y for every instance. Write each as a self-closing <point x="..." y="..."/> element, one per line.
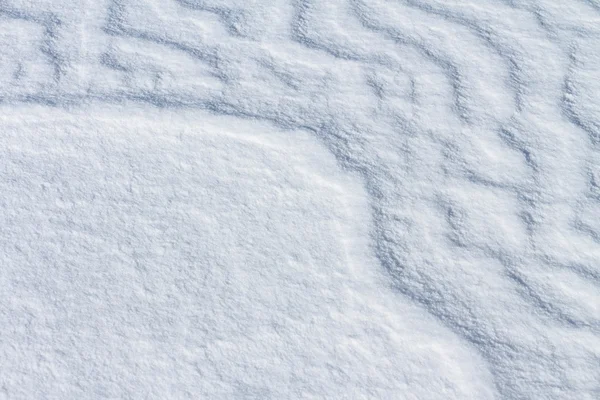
<point x="273" y="199"/>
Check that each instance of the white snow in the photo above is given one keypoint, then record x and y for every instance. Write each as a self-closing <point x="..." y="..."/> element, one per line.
<point x="171" y="254"/>
<point x="300" y="199"/>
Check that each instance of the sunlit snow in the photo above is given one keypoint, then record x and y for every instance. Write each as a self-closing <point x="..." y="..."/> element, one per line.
<point x="340" y="199"/>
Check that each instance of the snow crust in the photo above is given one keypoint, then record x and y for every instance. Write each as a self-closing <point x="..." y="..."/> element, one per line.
<point x="300" y="199"/>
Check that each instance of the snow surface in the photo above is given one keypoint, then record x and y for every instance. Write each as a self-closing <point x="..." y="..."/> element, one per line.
<point x="300" y="199"/>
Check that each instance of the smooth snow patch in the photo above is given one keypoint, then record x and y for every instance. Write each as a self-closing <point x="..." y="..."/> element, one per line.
<point x="181" y="254"/>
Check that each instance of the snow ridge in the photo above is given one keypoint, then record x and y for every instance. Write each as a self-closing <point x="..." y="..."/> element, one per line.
<point x="474" y="126"/>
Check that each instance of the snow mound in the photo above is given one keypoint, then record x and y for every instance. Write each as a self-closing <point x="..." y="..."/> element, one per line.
<point x="164" y="255"/>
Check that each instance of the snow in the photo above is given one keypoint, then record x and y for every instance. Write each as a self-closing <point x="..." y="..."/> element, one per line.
<point x="300" y="199"/>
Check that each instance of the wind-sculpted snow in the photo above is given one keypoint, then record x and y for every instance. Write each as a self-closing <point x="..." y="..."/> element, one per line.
<point x="227" y="261"/>
<point x="473" y="126"/>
